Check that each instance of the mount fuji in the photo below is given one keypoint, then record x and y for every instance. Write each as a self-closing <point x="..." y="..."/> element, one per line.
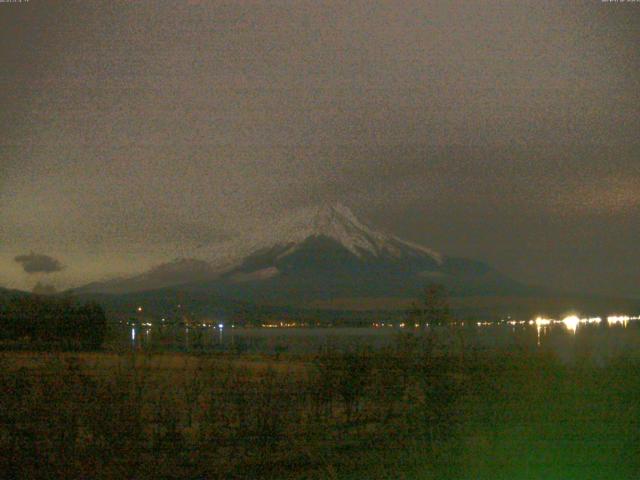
<point x="318" y="255"/>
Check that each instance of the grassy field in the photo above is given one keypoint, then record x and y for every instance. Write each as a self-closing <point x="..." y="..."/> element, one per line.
<point x="400" y="413"/>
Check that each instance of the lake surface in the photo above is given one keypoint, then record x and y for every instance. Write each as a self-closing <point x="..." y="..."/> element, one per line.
<point x="569" y="340"/>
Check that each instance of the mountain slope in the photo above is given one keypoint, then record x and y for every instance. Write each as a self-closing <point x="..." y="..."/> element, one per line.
<point x="176" y="272"/>
<point x="339" y="224"/>
<point x="329" y="253"/>
<point x="319" y="254"/>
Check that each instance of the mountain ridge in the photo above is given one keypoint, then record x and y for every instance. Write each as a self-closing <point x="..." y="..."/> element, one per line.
<point x="316" y="254"/>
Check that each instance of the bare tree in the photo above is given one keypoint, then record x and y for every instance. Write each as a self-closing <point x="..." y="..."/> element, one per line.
<point x="434" y="308"/>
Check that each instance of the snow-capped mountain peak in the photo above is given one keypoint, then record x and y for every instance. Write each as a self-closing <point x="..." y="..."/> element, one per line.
<point x="337" y="222"/>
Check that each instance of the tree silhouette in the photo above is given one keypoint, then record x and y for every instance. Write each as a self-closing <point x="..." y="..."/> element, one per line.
<point x="434" y="309"/>
<point x="52" y="321"/>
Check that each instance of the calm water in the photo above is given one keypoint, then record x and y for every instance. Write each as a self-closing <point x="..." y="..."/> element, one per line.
<point x="568" y="340"/>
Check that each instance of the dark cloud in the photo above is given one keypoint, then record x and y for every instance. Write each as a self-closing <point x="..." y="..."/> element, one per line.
<point x="38" y="263"/>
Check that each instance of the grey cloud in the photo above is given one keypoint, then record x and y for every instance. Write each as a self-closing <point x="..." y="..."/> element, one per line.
<point x="38" y="263"/>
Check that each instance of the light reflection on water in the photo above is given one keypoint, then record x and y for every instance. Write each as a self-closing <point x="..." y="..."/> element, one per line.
<point x="619" y="320"/>
<point x="565" y="337"/>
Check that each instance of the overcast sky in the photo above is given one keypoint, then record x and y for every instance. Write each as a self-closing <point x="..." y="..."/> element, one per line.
<point x="132" y="132"/>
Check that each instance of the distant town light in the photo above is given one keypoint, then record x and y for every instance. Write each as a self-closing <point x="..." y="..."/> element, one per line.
<point x="571" y="323"/>
<point x="220" y="326"/>
<point x="618" y="319"/>
<point x="139" y="309"/>
<point x="543" y="322"/>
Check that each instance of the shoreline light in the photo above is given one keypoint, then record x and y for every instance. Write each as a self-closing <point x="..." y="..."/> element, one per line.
<point x="618" y="320"/>
<point x="543" y="322"/>
<point x="571" y="322"/>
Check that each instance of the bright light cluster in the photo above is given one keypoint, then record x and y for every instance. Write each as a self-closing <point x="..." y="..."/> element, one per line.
<point x="618" y="319"/>
<point x="571" y="322"/>
<point x="542" y="322"/>
<point x="595" y="320"/>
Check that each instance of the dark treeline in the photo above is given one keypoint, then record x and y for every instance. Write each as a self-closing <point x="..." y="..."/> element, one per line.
<point x="52" y="321"/>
